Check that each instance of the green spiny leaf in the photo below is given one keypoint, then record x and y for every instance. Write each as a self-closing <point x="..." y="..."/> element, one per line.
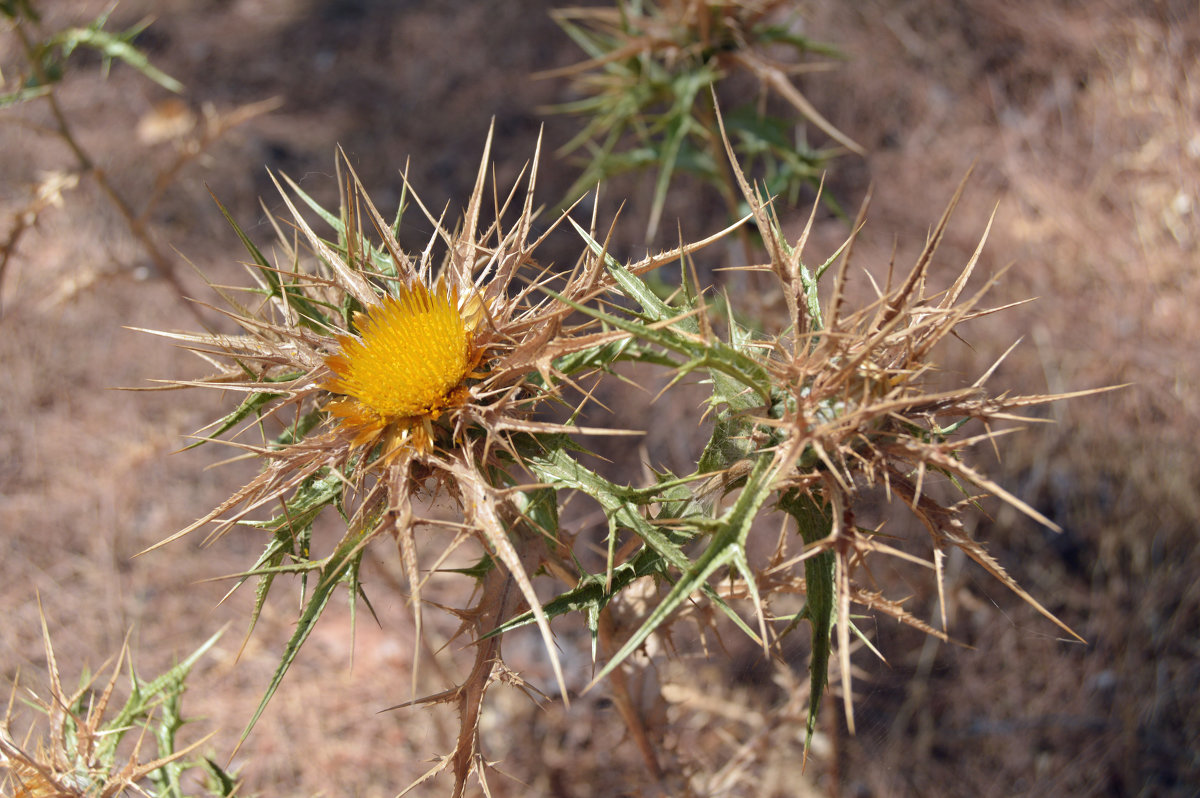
<point x="677" y="332"/>
<point x="338" y="567"/>
<point x="225" y="784"/>
<point x="309" y="313"/>
<point x="291" y="527"/>
<point x="170" y="721"/>
<point x="381" y="261"/>
<point x="591" y="594"/>
<point x="727" y="546"/>
<point x="114" y="45"/>
<point x="145" y="696"/>
<point x="251" y="404"/>
<point x="300" y="429"/>
<point x="558" y="469"/>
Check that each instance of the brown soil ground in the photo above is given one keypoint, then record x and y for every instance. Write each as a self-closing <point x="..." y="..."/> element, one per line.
<point x="1083" y="122"/>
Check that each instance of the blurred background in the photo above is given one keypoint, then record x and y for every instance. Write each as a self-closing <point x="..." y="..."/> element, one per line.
<point x="1083" y="124"/>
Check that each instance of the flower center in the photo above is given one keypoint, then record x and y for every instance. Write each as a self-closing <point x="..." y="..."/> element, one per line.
<point x="412" y="351"/>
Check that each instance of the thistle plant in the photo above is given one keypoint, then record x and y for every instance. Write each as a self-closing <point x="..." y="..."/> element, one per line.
<point x="394" y="376"/>
<point x="645" y="95"/>
<point x="375" y="379"/>
<point x="80" y="753"/>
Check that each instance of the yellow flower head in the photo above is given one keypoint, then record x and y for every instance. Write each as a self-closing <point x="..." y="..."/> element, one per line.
<point x="406" y="366"/>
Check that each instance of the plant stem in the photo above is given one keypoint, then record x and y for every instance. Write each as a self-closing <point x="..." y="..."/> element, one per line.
<point x="163" y="265"/>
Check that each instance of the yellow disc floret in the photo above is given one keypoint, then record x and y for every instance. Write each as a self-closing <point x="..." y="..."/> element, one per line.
<point x="412" y="353"/>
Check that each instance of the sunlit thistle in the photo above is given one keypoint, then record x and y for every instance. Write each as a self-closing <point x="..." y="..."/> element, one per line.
<point x="390" y="378"/>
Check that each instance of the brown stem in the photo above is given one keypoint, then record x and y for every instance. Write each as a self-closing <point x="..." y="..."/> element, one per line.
<point x="9" y="247"/>
<point x="166" y="269"/>
<point x="497" y="601"/>
<point x="623" y="698"/>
